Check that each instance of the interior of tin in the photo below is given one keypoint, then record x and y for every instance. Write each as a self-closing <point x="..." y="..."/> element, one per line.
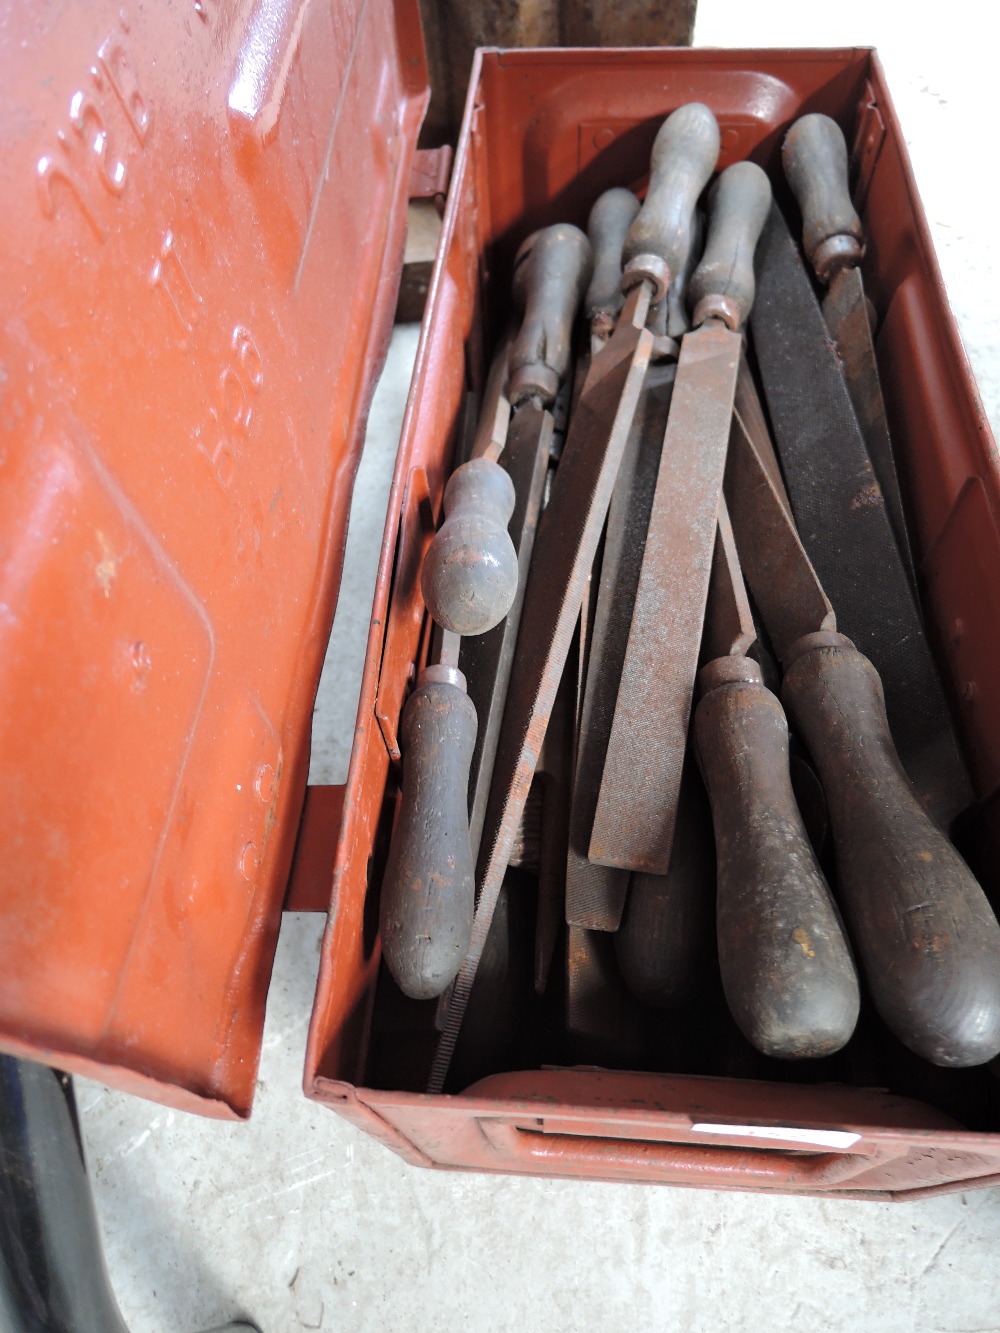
<point x="545" y="134"/>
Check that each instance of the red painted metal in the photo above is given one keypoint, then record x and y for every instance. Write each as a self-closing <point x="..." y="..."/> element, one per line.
<point x="311" y="873"/>
<point x="203" y="227"/>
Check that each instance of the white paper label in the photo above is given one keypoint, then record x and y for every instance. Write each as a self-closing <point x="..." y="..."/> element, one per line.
<point x="813" y="1138"/>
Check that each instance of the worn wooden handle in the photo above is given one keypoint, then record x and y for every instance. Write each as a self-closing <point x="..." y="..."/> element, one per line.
<point x="684" y="155"/>
<point x="814" y="156"/>
<point x="722" y="286"/>
<point x="786" y="966"/>
<point x="469" y="574"/>
<point x="428" y="890"/>
<point x="678" y="321"/>
<point x="927" y="940"/>
<point x="609" y="221"/>
<point x="661" y="943"/>
<point x="549" y="281"/>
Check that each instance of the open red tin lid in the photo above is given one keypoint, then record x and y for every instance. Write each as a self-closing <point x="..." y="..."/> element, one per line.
<point x="204" y="212"/>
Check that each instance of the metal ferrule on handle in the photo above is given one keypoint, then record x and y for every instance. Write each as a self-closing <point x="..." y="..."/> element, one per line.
<point x="552" y="271"/>
<point x="608" y="223"/>
<point x="814" y="156"/>
<point x="722" y="286"/>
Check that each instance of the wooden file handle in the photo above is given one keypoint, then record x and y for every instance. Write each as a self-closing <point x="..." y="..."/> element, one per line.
<point x="786" y="966"/>
<point x="661" y="941"/>
<point x="549" y="282"/>
<point x="428" y="889"/>
<point x="684" y="155"/>
<point x="928" y="943"/>
<point x="722" y="286"/>
<point x="814" y="156"/>
<point x="609" y="221"/>
<point x="469" y="575"/>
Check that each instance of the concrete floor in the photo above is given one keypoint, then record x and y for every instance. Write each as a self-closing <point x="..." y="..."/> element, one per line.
<point x="301" y="1222"/>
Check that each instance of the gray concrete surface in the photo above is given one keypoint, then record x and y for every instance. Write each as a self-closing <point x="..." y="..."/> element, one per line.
<point x="301" y="1222"/>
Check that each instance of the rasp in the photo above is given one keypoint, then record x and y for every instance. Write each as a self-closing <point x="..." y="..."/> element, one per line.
<point x="814" y="156"/>
<point x="922" y="929"/>
<point x="786" y="967"/>
<point x="841" y="515"/>
<point x="565" y="547"/>
<point x="637" y="804"/>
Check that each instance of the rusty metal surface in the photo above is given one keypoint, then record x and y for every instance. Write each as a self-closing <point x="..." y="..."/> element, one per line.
<point x="633" y="822"/>
<point x="564" y="553"/>
<point x="555" y="770"/>
<point x="790" y="597"/>
<point x="841" y="513"/>
<point x="729" y="627"/>
<point x="847" y="316"/>
<point x="490" y="436"/>
<point x="747" y="407"/>
<point x="312" y="865"/>
<point x="486" y="658"/>
<point x="595" y="894"/>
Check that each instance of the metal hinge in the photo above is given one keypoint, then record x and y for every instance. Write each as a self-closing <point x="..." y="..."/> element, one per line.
<point x="430" y="172"/>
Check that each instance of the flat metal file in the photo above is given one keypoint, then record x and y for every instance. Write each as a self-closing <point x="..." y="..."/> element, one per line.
<point x="637" y="804"/>
<point x="814" y="156"/>
<point x="923" y="931"/>
<point x="595" y="895"/>
<point x="840" y="512"/>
